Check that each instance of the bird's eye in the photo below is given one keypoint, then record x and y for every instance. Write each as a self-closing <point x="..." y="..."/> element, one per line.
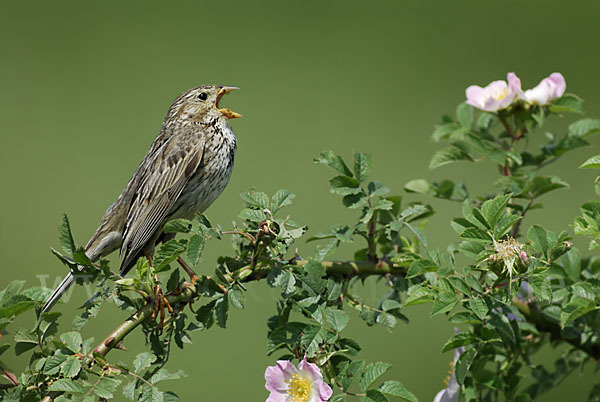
<point x="203" y="96"/>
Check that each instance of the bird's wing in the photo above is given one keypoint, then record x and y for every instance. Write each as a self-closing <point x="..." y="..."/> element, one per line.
<point x="165" y="178"/>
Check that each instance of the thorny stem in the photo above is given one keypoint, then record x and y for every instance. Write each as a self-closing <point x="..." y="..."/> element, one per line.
<point x="344" y="268"/>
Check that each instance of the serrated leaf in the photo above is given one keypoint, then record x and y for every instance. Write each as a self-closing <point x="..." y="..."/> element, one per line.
<point x="448" y="155"/>
<point x="106" y="387"/>
<point x="372" y="373"/>
<point x="66" y="237"/>
<point x="493" y="209"/>
<point x="256" y="200"/>
<point x="178" y="226"/>
<point x="68" y="386"/>
<point x="591" y="163"/>
<point x="329" y="158"/>
<point x="281" y="199"/>
<point x="72" y="340"/>
<point x="383" y="204"/>
<point x="374" y="395"/>
<point x="395" y="388"/>
<point x="236" y="298"/>
<point x="538" y="236"/>
<point x="567" y="103"/>
<point x="164" y="375"/>
<point x="143" y="361"/>
<point x="252" y="215"/>
<point x="584" y="127"/>
<point x="362" y="165"/>
<point x="479" y="307"/>
<point x="419" y="267"/>
<point x="338" y="319"/>
<point x="463" y="364"/>
<point x="71" y="367"/>
<point x="460" y="339"/>
<point x="419" y="186"/>
<point x="194" y="248"/>
<point x="311" y="339"/>
<point x="444" y="302"/>
<point x="344" y="185"/>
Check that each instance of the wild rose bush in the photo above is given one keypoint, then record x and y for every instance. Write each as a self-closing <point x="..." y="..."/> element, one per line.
<point x="507" y="284"/>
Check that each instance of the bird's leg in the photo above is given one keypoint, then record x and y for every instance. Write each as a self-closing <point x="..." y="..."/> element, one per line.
<point x="160" y="301"/>
<point x="188" y="270"/>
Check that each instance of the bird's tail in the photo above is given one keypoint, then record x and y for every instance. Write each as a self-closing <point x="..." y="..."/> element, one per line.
<point x="58" y="292"/>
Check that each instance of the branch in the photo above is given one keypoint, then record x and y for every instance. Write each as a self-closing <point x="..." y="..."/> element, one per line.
<point x="534" y="315"/>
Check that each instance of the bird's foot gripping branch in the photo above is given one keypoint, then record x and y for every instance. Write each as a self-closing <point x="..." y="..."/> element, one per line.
<point x="508" y="284"/>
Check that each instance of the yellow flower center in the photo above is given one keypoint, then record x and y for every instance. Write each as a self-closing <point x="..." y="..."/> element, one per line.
<point x="299" y="389"/>
<point x="500" y="94"/>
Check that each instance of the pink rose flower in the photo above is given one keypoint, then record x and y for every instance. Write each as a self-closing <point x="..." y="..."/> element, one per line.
<point x="497" y="95"/>
<point x="286" y="383"/>
<point x="549" y="89"/>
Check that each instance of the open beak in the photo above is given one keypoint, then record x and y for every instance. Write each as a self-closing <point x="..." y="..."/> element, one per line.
<point x="230" y="114"/>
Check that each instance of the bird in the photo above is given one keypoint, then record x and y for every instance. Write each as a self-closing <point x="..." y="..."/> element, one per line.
<point x="187" y="167"/>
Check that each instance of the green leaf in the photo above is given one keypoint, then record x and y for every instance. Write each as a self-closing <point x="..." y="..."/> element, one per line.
<point x="476" y="234"/>
<point x="538" y="236"/>
<point x="344" y="185"/>
<point x="444" y="302"/>
<point x="372" y="372"/>
<point x="479" y="307"/>
<point x="72" y="340"/>
<point x="362" y="165"/>
<point x="178" y="226"/>
<point x="71" y="367"/>
<point x="419" y="267"/>
<point x="312" y="338"/>
<point x="164" y="375"/>
<point x="374" y="395"/>
<point x="383" y="204"/>
<point x="66" y="238"/>
<point x="464" y="115"/>
<point x="281" y="199"/>
<point x="386" y="320"/>
<point x="252" y="215"/>
<point x="329" y="158"/>
<point x="106" y="387"/>
<point x="541" y="287"/>
<point x="395" y="388"/>
<point x="338" y="319"/>
<point x="194" y="248"/>
<point x="591" y="163"/>
<point x="584" y="127"/>
<point x="236" y="298"/>
<point x="68" y="386"/>
<point x="567" y="103"/>
<point x="463" y="364"/>
<point x="354" y="200"/>
<point x="420" y="186"/>
<point x="448" y="155"/>
<point x="575" y="309"/>
<point x="255" y="200"/>
<point x="458" y="340"/>
<point x="143" y="361"/>
<point x="493" y="209"/>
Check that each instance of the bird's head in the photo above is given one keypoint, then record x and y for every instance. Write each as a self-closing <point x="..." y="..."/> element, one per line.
<point x="201" y="104"/>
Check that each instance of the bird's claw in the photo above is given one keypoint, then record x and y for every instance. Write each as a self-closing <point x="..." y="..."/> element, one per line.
<point x="160" y="302"/>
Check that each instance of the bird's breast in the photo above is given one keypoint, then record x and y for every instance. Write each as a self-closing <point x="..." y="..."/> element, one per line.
<point x="211" y="176"/>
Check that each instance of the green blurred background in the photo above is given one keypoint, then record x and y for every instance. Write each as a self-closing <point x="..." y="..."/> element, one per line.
<point x="84" y="87"/>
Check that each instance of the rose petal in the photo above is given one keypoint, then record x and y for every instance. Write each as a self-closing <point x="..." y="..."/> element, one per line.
<point x="514" y="83"/>
<point x="324" y="389"/>
<point x="277" y="397"/>
<point x="475" y="96"/>
<point x="310" y="371"/>
<point x="276" y="377"/>
<point x="559" y="82"/>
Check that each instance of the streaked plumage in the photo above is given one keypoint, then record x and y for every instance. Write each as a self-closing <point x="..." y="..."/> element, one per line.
<point x="186" y="168"/>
